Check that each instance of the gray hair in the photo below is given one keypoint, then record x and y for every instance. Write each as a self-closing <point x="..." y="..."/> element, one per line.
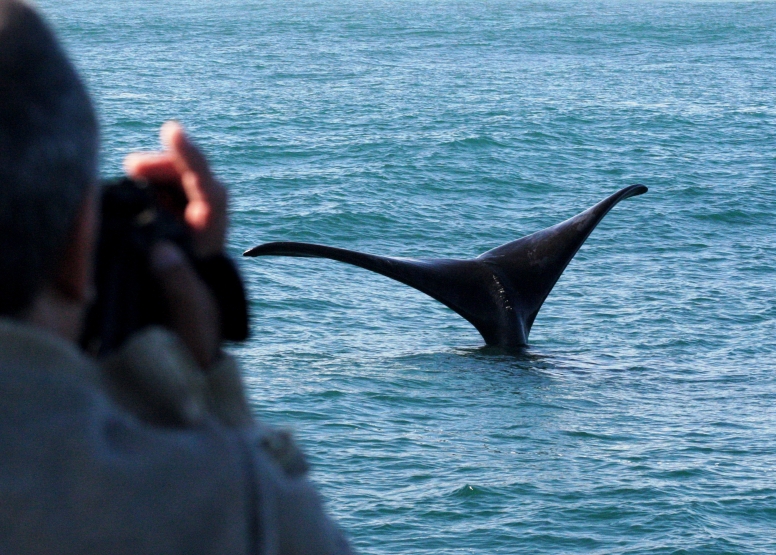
<point x="48" y="153"/>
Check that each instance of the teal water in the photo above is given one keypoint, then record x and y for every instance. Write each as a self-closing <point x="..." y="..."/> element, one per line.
<point x="641" y="419"/>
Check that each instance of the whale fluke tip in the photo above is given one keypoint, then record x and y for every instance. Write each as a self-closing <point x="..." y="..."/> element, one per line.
<point x="268" y="248"/>
<point x="635" y="190"/>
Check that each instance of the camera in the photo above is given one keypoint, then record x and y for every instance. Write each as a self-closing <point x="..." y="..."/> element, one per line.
<point x="135" y="216"/>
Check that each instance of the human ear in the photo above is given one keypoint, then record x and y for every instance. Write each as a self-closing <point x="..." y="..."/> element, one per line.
<point x="73" y="275"/>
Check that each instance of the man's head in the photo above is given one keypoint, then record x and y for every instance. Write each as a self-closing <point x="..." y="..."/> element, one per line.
<point x="48" y="155"/>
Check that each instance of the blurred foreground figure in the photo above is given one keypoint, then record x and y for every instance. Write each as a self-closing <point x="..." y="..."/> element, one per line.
<point x="152" y="450"/>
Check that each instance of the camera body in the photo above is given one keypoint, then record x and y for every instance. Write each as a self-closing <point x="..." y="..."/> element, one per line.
<point x="136" y="216"/>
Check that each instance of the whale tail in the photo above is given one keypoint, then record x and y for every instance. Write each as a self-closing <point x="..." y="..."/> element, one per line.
<point x="501" y="291"/>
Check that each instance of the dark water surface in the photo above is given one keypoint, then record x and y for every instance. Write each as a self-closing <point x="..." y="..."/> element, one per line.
<point x="641" y="419"/>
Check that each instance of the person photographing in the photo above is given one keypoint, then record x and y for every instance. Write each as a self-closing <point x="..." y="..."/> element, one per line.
<point x="151" y="448"/>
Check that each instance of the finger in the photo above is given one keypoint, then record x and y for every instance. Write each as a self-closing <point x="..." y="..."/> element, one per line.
<point x="193" y="310"/>
<point x="188" y="156"/>
<point x="206" y="210"/>
<point x="161" y="167"/>
<point x="182" y="157"/>
<point x="183" y="165"/>
<point x="196" y="178"/>
<point x="152" y="166"/>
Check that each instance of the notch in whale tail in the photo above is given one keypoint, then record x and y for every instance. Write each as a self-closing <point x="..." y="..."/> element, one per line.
<point x="501" y="291"/>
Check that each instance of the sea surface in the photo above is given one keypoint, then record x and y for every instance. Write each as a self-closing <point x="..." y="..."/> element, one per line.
<point x="641" y="419"/>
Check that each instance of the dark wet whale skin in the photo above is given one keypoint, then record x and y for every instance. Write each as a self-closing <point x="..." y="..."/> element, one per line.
<point x="501" y="291"/>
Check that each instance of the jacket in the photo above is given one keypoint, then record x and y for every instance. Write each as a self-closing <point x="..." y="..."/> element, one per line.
<point x="85" y="468"/>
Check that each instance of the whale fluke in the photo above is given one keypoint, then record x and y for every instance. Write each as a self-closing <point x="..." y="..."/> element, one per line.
<point x="501" y="291"/>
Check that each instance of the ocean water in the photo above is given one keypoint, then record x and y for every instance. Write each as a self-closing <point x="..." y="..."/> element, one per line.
<point x="641" y="418"/>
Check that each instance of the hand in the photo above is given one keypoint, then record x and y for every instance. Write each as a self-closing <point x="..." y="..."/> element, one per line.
<point x="193" y="310"/>
<point x="183" y="165"/>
